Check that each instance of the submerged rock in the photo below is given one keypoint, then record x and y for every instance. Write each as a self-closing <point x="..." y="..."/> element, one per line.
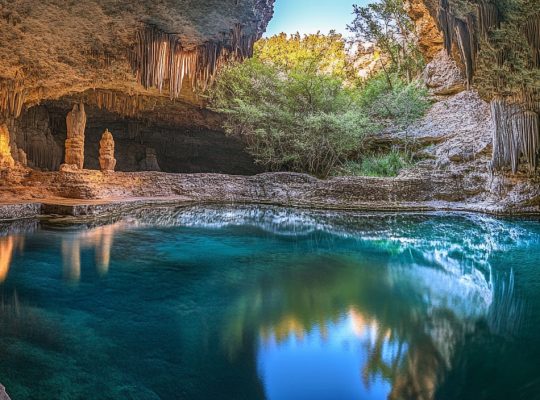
<point x="3" y="394"/>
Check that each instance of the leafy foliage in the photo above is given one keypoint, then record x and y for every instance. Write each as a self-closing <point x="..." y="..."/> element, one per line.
<point x="300" y="121"/>
<point x="393" y="104"/>
<point x="314" y="53"/>
<point x="297" y="109"/>
<point x="386" y="24"/>
<point x="382" y="165"/>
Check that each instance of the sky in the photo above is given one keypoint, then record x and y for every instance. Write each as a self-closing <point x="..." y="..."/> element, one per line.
<point x="310" y="16"/>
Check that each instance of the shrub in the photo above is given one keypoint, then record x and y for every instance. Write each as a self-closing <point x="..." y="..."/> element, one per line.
<point x="298" y="121"/>
<point x="383" y="165"/>
<point x="393" y="101"/>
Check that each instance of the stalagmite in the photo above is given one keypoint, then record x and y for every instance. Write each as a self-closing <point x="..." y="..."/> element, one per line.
<point x="21" y="157"/>
<point x="6" y="159"/>
<point x="150" y="162"/>
<point x="76" y="124"/>
<point x="107" y="161"/>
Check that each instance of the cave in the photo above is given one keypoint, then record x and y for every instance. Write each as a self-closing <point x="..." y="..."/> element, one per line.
<point x="140" y="144"/>
<point x="357" y="219"/>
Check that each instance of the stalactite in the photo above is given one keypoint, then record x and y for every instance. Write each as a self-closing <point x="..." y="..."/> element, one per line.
<point x="525" y="127"/>
<point x="531" y="30"/>
<point x="488" y="17"/>
<point x="127" y="105"/>
<point x="464" y="34"/>
<point x="446" y="23"/>
<point x="12" y="96"/>
<point x="515" y="134"/>
<point x="160" y="57"/>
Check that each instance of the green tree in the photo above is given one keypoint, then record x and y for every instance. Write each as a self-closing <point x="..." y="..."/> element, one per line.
<point x="386" y="24"/>
<point x="314" y="53"/>
<point x="301" y="121"/>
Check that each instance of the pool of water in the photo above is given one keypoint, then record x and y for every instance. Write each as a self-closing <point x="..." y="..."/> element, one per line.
<point x="268" y="303"/>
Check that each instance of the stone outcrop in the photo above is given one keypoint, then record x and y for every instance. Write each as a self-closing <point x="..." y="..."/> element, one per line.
<point x="3" y="394"/>
<point x="107" y="162"/>
<point x="423" y="13"/>
<point x="6" y="159"/>
<point x="149" y="162"/>
<point x="498" y="50"/>
<point x="76" y="124"/>
<point x="442" y="76"/>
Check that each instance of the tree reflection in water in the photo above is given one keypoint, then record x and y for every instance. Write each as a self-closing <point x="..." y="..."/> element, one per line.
<point x="409" y="309"/>
<point x="398" y="294"/>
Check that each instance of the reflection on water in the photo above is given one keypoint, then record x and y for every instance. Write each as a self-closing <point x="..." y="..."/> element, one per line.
<point x="8" y="246"/>
<point x="269" y="303"/>
<point x="99" y="239"/>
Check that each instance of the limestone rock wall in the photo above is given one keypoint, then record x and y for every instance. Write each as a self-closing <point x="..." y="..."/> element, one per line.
<point x="33" y="134"/>
<point x="51" y="49"/>
<point x="145" y="144"/>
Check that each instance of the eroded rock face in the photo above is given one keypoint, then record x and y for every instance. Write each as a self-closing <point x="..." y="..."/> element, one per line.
<point x="442" y="75"/>
<point x="51" y="49"/>
<point x="423" y="13"/>
<point x="33" y="134"/>
<point x="76" y="124"/>
<point x="107" y="161"/>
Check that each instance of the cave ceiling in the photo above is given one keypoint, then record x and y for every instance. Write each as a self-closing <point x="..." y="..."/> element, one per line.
<point x="121" y="54"/>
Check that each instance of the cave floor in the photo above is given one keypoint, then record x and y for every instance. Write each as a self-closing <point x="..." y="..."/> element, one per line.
<point x="27" y="193"/>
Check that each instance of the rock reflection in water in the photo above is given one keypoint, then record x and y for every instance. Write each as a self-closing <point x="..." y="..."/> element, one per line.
<point x="299" y="304"/>
<point x="8" y="246"/>
<point x="403" y="335"/>
<point x="100" y="239"/>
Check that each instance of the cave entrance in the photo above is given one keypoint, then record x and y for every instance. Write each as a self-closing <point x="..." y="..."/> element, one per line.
<point x="140" y="144"/>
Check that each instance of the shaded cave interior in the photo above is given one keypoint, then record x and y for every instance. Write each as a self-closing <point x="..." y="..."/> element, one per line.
<point x="141" y="144"/>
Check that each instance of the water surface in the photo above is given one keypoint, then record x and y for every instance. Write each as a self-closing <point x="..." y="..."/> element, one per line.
<point x="268" y="303"/>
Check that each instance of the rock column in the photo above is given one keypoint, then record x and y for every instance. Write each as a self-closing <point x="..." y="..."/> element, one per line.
<point x="107" y="161"/>
<point x="6" y="159"/>
<point x="76" y="124"/>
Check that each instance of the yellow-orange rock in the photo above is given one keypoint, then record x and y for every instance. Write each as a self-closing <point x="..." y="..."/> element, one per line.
<point x="107" y="162"/>
<point x="76" y="124"/>
<point x="423" y="14"/>
<point x="6" y="159"/>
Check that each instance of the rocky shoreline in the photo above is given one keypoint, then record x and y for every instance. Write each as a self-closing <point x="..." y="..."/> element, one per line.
<point x="92" y="193"/>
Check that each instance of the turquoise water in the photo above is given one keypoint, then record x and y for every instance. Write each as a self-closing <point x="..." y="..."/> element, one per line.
<point x="267" y="303"/>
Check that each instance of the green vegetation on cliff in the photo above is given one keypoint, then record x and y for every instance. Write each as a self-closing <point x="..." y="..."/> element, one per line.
<point x="299" y="104"/>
